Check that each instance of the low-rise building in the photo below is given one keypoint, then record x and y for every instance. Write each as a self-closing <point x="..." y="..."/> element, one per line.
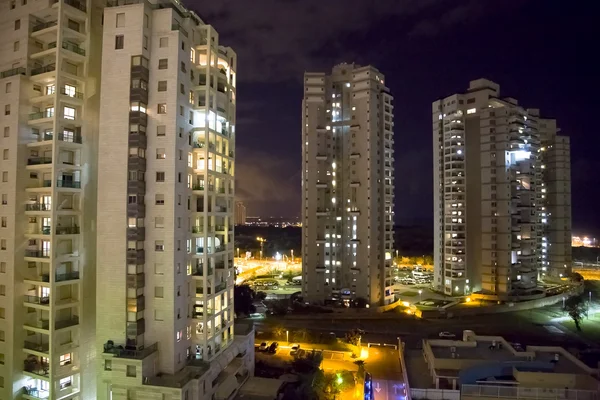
<point x="490" y="366"/>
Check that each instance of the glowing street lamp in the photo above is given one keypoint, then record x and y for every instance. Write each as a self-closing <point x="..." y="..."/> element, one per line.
<point x="262" y="243"/>
<point x="238" y="251"/>
<point x="420" y="292"/>
<point x="287" y="336"/>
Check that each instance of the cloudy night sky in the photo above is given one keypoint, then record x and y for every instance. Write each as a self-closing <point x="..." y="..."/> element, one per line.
<point x="542" y="52"/>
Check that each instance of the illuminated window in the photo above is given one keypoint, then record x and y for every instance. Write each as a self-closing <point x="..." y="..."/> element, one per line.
<point x="137" y="106"/>
<point x="471" y="111"/>
<point x="69" y="112"/>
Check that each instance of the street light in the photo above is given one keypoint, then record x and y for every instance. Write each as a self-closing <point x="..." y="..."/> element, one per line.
<point x="287" y="336"/>
<point x="238" y="251"/>
<point x="420" y="291"/>
<point x="563" y="302"/>
<point x="262" y="243"/>
<point x="292" y="256"/>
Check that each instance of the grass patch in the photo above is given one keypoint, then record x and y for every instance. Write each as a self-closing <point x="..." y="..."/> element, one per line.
<point x="590" y="328"/>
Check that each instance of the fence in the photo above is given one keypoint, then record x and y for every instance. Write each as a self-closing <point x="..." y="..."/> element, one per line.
<point x="434" y="394"/>
<point x="516" y="392"/>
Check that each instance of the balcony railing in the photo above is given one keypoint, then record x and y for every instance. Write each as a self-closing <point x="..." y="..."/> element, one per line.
<point x="37" y="393"/>
<point x="177" y="27"/>
<point x="199" y="271"/>
<point x="199" y="145"/>
<point x="220" y="287"/>
<point x="44" y="69"/>
<point x="198" y="187"/>
<point x="67" y="230"/>
<point x="37" y="253"/>
<point x="73" y="3"/>
<point x="44" y="25"/>
<point x="12" y="72"/>
<point x="69" y="46"/>
<point x="121" y="351"/>
<point x="41" y="114"/>
<point x="68" y="276"/>
<point x="38" y="207"/>
<point x="71" y="93"/>
<point x="44" y="300"/>
<point x="39" y="160"/>
<point x="197" y="229"/>
<point x="41" y="347"/>
<point x="68" y="184"/>
<point x="66" y="323"/>
<point x="71" y="138"/>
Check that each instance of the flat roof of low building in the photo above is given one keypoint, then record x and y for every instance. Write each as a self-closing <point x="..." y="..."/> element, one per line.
<point x="257" y="388"/>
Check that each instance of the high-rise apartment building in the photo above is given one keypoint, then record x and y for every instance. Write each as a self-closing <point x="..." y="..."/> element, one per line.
<point x="502" y="195"/>
<point x="166" y="208"/>
<point x="162" y="222"/>
<point x="348" y="186"/>
<point x="49" y="94"/>
<point x="240" y="213"/>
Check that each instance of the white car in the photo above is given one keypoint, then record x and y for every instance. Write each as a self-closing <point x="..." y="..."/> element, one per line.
<point x="263" y="346"/>
<point x="447" y="335"/>
<point x="295" y="349"/>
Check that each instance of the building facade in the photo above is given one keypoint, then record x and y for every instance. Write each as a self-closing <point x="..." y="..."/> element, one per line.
<point x="49" y="73"/>
<point x="348" y="186"/>
<point x="166" y="208"/>
<point x="240" y="213"/>
<point x="502" y="205"/>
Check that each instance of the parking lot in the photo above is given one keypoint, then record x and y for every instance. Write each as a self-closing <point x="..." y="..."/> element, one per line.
<point x="332" y="360"/>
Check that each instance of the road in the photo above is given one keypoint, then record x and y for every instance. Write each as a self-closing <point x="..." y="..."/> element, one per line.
<point x="384" y="366"/>
<point x="522" y="327"/>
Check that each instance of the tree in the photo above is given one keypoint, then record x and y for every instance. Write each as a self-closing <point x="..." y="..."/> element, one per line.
<point x="279" y="307"/>
<point x="576" y="307"/>
<point x="576" y="277"/>
<point x="353" y="337"/>
<point x="301" y="335"/>
<point x="279" y="332"/>
<point x="360" y="302"/>
<point x="260" y="296"/>
<point x="309" y="363"/>
<point x="243" y="297"/>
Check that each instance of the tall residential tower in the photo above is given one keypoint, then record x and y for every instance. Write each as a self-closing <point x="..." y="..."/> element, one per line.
<point x="502" y="195"/>
<point x="166" y="208"/>
<point x="348" y="186"/>
<point x="49" y="85"/>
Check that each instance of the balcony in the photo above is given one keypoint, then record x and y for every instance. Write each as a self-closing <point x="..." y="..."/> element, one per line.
<point x="37" y="253"/>
<point x="36" y="366"/>
<point x="12" y="72"/>
<point x="198" y="229"/>
<point x="44" y="25"/>
<point x="177" y="27"/>
<point x="35" y="393"/>
<point x="73" y="3"/>
<point x="121" y="351"/>
<point x="39" y="160"/>
<point x="41" y="115"/>
<point x="72" y="47"/>
<point x="198" y="187"/>
<point x="43" y="301"/>
<point x="39" y="347"/>
<point x="63" y="183"/>
<point x="68" y="276"/>
<point x="67" y="323"/>
<point x="220" y="287"/>
<point x="199" y="271"/>
<point x="43" y="70"/>
<point x="70" y="138"/>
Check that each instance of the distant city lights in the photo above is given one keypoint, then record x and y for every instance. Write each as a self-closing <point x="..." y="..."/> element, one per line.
<point x="585" y="241"/>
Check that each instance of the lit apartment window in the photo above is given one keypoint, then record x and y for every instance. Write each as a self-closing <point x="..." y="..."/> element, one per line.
<point x="50" y="89"/>
<point x="138" y="106"/>
<point x="161" y="154"/>
<point x="65" y="359"/>
<point x="69" y="112"/>
<point x="179" y="336"/>
<point x="162" y="108"/>
<point x="69" y="90"/>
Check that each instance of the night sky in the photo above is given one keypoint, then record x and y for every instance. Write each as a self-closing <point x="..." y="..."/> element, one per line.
<point x="545" y="53"/>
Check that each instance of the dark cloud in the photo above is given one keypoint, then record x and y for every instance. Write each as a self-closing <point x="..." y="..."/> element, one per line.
<point x="268" y="183"/>
<point x="277" y="40"/>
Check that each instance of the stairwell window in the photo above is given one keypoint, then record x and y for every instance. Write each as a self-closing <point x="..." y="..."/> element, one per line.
<point x="119" y="42"/>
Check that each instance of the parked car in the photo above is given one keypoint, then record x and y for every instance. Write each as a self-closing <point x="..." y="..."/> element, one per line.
<point x="273" y="348"/>
<point x="447" y="335"/>
<point x="263" y="346"/>
<point x="295" y="349"/>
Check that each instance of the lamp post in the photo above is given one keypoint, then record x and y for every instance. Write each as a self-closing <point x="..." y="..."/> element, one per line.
<point x="420" y="292"/>
<point x="292" y="256"/>
<point x="563" y="302"/>
<point x="589" y="304"/>
<point x="262" y="243"/>
<point x="287" y="336"/>
<point x="238" y="251"/>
